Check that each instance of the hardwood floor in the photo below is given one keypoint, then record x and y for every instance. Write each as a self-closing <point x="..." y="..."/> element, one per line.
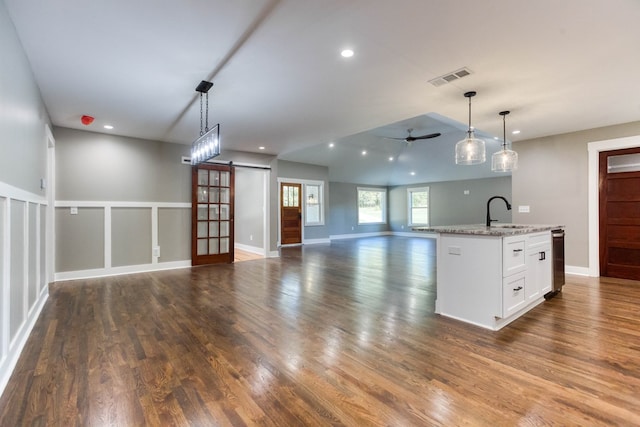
<point x="240" y="255"/>
<point x="340" y="334"/>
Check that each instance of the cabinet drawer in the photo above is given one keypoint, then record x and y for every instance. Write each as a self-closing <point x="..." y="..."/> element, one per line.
<point x="513" y="255"/>
<point x="513" y="294"/>
<point x="539" y="239"/>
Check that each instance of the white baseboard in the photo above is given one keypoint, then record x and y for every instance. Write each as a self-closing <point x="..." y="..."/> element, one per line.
<point x="273" y="254"/>
<point x="116" y="271"/>
<point x="8" y="364"/>
<point x="356" y="235"/>
<point x="252" y="249"/>
<point x="578" y="271"/>
<point x="315" y="241"/>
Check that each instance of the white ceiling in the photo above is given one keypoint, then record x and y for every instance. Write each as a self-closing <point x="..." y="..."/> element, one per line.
<point x="280" y="82"/>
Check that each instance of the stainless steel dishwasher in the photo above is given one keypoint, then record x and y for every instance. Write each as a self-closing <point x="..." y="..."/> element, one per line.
<point x="557" y="237"/>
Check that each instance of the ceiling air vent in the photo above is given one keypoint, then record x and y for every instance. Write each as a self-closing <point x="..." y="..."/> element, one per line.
<point x="448" y="78"/>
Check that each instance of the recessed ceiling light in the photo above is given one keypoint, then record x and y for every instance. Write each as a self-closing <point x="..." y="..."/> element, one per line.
<point x="413" y="173"/>
<point x="391" y="159"/>
<point x="347" y="53"/>
<point x="331" y="145"/>
<point x="260" y="148"/>
<point x="364" y="152"/>
<point x="515" y="132"/>
<point x="108" y="127"/>
<point x="496" y="138"/>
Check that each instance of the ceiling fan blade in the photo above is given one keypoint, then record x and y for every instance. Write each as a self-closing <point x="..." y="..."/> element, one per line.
<point x="395" y="139"/>
<point x="429" y="136"/>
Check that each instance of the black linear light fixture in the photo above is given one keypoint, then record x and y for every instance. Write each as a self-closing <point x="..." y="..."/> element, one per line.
<point x="207" y="146"/>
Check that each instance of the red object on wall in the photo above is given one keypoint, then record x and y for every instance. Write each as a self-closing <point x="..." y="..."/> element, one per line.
<point x="86" y="120"/>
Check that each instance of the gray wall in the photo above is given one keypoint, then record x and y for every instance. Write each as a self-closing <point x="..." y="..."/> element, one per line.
<point x="344" y="210"/>
<point x="23" y="162"/>
<point x="111" y="168"/>
<point x="175" y="244"/>
<point x="303" y="171"/>
<point x="552" y="178"/>
<point x="449" y="205"/>
<point x="79" y="239"/>
<point x="98" y="167"/>
<point x="23" y="155"/>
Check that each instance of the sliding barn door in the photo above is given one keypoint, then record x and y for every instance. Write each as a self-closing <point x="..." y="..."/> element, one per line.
<point x="212" y="214"/>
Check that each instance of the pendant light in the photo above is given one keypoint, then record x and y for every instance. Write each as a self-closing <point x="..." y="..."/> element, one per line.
<point x="504" y="160"/>
<point x="470" y="151"/>
<point x="207" y="146"/>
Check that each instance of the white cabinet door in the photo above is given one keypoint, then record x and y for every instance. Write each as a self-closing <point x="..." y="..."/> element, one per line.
<point x="539" y="273"/>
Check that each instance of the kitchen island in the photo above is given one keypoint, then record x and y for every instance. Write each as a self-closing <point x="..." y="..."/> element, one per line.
<point x="490" y="276"/>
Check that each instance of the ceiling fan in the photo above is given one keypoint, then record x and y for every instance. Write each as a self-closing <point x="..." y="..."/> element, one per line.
<point x="409" y="138"/>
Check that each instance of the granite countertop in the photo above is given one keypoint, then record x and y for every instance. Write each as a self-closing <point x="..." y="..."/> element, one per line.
<point x="497" y="229"/>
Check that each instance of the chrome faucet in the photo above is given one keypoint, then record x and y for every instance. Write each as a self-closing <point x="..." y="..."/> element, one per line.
<point x="489" y="220"/>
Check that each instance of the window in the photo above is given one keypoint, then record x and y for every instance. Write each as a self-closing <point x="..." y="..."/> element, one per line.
<point x="313" y="204"/>
<point x="372" y="205"/>
<point x="418" y="199"/>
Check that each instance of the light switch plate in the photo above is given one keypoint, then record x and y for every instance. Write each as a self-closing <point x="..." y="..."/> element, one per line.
<point x="523" y="209"/>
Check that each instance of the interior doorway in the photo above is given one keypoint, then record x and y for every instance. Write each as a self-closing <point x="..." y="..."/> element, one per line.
<point x="290" y="213"/>
<point x="619" y="213"/>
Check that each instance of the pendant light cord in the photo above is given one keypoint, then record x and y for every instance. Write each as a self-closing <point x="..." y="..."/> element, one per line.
<point x="206" y="126"/>
<point x="504" y="132"/>
<point x="469" y="131"/>
<point x="201" y="131"/>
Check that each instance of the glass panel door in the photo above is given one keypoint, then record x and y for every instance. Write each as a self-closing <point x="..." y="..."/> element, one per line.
<point x="212" y="228"/>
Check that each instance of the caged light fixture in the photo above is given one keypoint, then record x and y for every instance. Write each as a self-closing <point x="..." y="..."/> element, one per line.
<point x="470" y="151"/>
<point x="207" y="146"/>
<point x="504" y="160"/>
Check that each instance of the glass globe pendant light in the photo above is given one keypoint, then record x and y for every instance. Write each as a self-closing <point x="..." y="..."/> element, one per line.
<point x="470" y="151"/>
<point x="504" y="160"/>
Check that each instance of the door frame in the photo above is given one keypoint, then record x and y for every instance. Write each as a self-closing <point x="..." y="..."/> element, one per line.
<point x="302" y="213"/>
<point x="594" y="149"/>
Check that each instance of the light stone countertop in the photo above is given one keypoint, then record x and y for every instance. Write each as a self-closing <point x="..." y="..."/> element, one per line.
<point x="497" y="229"/>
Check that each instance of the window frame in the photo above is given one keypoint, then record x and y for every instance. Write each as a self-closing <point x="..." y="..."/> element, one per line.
<point x="383" y="191"/>
<point x="410" y="208"/>
<point x="320" y="203"/>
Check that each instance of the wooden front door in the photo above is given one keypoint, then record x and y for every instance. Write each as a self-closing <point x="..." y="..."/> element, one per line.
<point x="619" y="188"/>
<point x="290" y="213"/>
<point x="212" y="198"/>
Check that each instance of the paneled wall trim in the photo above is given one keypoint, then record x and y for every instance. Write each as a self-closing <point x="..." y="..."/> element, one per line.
<point x="23" y="284"/>
<point x="108" y="269"/>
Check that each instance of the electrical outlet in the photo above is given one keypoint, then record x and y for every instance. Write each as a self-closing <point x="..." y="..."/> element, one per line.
<point x="466" y="192"/>
<point x="251" y="237"/>
<point x="156" y="252"/>
<point x="73" y="211"/>
<point x="352" y="228"/>
<point x="523" y="209"/>
<point x="402" y="227"/>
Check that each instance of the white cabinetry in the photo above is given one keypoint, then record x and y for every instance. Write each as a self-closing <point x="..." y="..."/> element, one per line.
<point x="492" y="280"/>
<point x="539" y="268"/>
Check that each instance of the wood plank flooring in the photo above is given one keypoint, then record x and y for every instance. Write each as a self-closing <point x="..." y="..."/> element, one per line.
<point x="240" y="256"/>
<point x="340" y="334"/>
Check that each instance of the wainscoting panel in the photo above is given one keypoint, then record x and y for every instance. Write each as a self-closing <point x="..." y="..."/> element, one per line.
<point x="23" y="287"/>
